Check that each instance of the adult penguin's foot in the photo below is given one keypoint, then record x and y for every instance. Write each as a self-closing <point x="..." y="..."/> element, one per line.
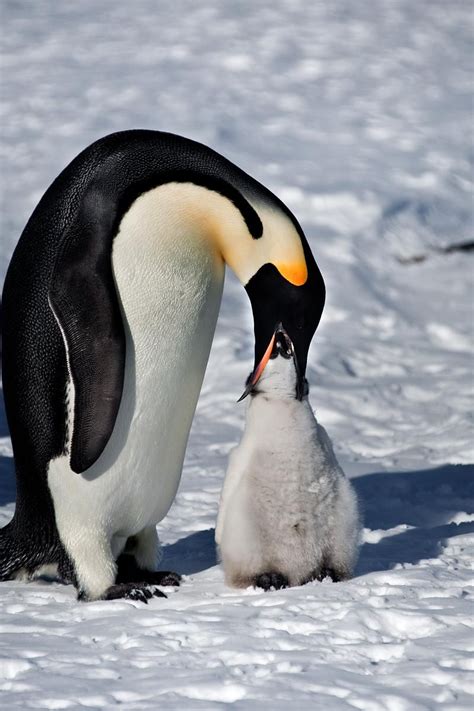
<point x="127" y="591"/>
<point x="128" y="571"/>
<point x="132" y="591"/>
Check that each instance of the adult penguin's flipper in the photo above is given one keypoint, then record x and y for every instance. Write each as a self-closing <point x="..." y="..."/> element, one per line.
<point x="84" y="300"/>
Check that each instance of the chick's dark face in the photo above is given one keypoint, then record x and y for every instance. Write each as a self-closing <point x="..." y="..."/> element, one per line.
<point x="297" y="308"/>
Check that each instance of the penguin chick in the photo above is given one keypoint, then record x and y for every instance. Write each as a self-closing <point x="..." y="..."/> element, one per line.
<point x="287" y="513"/>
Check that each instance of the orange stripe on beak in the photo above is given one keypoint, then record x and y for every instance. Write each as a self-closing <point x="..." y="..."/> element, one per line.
<point x="261" y="366"/>
<point x="259" y="369"/>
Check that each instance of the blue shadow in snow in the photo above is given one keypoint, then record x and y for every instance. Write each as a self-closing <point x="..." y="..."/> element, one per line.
<point x="426" y="500"/>
<point x="191" y="554"/>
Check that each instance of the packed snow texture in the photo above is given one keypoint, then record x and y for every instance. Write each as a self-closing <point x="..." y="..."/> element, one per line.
<point x="358" y="115"/>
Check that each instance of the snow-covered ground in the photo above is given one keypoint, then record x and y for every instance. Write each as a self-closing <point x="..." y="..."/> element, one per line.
<point x="358" y="115"/>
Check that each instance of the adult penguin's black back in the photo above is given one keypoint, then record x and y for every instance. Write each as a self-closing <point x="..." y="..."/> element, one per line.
<point x="62" y="319"/>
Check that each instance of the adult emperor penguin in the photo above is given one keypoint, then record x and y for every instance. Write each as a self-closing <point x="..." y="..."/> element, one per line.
<point x="109" y="309"/>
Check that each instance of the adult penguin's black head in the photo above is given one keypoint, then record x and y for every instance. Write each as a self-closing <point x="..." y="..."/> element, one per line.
<point x="278" y="301"/>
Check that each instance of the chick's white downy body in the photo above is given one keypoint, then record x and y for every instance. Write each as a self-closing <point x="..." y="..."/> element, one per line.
<point x="286" y="508"/>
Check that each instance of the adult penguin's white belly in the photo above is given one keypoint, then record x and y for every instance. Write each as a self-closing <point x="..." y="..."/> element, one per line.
<point x="169" y="279"/>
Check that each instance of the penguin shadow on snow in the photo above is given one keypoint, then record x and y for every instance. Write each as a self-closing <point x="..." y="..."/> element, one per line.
<point x="191" y="554"/>
<point x="426" y="501"/>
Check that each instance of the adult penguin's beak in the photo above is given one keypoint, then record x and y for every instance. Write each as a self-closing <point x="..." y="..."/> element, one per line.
<point x="278" y="303"/>
<point x="254" y="377"/>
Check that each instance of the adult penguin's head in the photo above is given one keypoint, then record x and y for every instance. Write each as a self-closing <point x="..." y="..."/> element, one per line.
<point x="277" y="302"/>
<point x="285" y="287"/>
<point x="263" y="244"/>
<point x="284" y="298"/>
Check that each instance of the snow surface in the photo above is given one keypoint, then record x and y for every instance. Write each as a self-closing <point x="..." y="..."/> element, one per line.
<point x="358" y="115"/>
